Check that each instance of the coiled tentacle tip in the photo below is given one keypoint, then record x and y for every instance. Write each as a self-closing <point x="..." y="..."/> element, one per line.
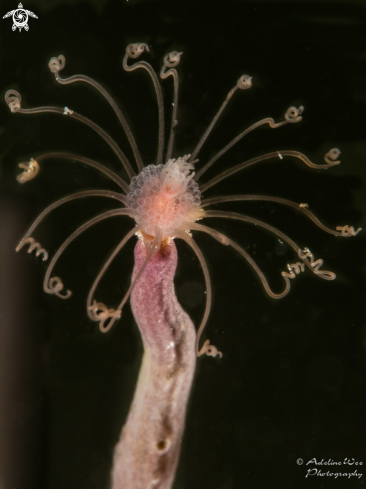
<point x="55" y="286"/>
<point x="348" y="230"/>
<point x="244" y="82"/>
<point x="57" y="64"/>
<point x="13" y="100"/>
<point x="135" y="50"/>
<point x="293" y="114"/>
<point x="209" y="350"/>
<point x="31" y="169"/>
<point x="331" y="157"/>
<point x="172" y="59"/>
<point x="293" y="270"/>
<point x="33" y="246"/>
<point x="307" y="256"/>
<point x="100" y="312"/>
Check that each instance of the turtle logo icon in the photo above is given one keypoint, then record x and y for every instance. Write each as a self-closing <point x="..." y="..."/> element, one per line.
<point x="20" y="18"/>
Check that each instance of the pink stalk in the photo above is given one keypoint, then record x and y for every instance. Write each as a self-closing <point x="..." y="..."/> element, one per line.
<point x="147" y="453"/>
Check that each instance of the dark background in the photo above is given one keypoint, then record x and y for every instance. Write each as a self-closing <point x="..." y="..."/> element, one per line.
<point x="291" y="383"/>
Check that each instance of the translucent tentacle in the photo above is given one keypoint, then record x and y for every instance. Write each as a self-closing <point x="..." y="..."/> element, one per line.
<point x="13" y="99"/>
<point x="30" y="170"/>
<point x="171" y="60"/>
<point x="345" y="231"/>
<point x="134" y="51"/>
<point x="207" y="349"/>
<point x="57" y="64"/>
<point x="100" y="312"/>
<point x="292" y="116"/>
<point x="89" y="306"/>
<point x="294" y="246"/>
<point x="268" y="156"/>
<point x="69" y="198"/>
<point x="243" y="83"/>
<point x="53" y="286"/>
<point x="118" y="312"/>
<point x="223" y="239"/>
<point x="33" y="246"/>
<point x="87" y="161"/>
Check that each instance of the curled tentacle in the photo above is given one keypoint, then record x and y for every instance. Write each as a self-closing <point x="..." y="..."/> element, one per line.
<point x="293" y="270"/>
<point x="223" y="239"/>
<point x="244" y="82"/>
<point x="331" y="157"/>
<point x="171" y="60"/>
<point x="305" y="255"/>
<point x="136" y="49"/>
<point x="253" y="161"/>
<point x="103" y="270"/>
<point x="13" y="100"/>
<point x="308" y="258"/>
<point x="100" y="312"/>
<point x="57" y="64"/>
<point x="209" y="350"/>
<point x="348" y="230"/>
<point x="293" y="114"/>
<point x="55" y="286"/>
<point x="33" y="245"/>
<point x="31" y="169"/>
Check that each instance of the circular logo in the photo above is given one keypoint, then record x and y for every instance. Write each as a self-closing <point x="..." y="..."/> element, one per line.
<point x="20" y="18"/>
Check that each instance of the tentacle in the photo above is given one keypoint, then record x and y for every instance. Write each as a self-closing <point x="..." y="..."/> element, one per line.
<point x="87" y="161"/>
<point x="13" y="99"/>
<point x="69" y="198"/>
<point x="292" y="116"/>
<point x="118" y="312"/>
<point x="268" y="156"/>
<point x="134" y="51"/>
<point x="57" y="64"/>
<point x="33" y="246"/>
<point x="89" y="306"/>
<point x="305" y="257"/>
<point x="30" y="170"/>
<point x="223" y="239"/>
<point x="171" y="60"/>
<point x="345" y="231"/>
<point x="207" y="349"/>
<point x="243" y="83"/>
<point x="54" y="285"/>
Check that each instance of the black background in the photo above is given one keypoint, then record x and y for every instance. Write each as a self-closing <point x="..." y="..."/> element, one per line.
<point x="291" y="383"/>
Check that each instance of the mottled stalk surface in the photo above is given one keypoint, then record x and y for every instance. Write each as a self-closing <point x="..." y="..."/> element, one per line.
<point x="147" y="453"/>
